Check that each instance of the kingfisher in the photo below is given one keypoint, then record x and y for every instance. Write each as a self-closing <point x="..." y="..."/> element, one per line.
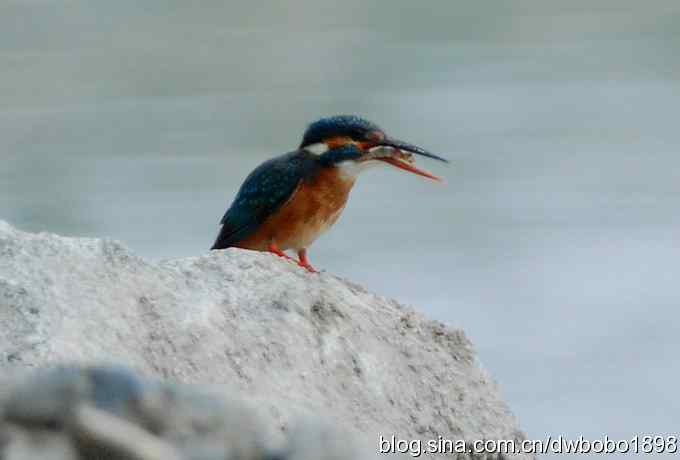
<point x="287" y="202"/>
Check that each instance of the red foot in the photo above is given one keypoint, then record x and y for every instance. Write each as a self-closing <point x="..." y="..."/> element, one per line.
<point x="304" y="263"/>
<point x="273" y="248"/>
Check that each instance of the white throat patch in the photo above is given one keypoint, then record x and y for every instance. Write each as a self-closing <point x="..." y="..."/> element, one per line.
<point x="351" y="169"/>
<point x="318" y="149"/>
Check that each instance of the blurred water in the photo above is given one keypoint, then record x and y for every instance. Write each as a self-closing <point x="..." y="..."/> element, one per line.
<point x="554" y="243"/>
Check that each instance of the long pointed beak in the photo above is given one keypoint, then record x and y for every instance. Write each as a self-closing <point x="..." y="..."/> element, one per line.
<point x="402" y="157"/>
<point x="410" y="148"/>
<point x="410" y="168"/>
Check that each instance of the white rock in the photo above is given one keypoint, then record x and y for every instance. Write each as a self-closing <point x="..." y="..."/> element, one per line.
<point x="251" y="325"/>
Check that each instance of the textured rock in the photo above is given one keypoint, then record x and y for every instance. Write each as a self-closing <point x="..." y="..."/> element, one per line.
<point x="248" y="326"/>
<point x="110" y="413"/>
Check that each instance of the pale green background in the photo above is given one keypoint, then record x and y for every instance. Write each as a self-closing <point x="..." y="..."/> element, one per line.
<point x="555" y="243"/>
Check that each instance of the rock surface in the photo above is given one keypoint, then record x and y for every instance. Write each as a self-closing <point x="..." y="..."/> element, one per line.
<point x="248" y="327"/>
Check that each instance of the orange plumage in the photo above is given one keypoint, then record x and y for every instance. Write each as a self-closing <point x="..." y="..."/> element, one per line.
<point x="314" y="206"/>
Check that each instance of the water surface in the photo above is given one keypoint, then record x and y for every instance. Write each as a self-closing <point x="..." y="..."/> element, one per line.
<point x="554" y="242"/>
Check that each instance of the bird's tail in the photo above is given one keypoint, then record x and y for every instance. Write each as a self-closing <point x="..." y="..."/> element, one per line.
<point x="220" y="242"/>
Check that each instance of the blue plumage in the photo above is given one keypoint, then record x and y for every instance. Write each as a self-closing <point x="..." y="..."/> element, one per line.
<point x="264" y="191"/>
<point x="339" y="125"/>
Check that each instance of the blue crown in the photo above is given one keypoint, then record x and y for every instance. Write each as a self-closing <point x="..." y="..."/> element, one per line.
<point x="339" y="125"/>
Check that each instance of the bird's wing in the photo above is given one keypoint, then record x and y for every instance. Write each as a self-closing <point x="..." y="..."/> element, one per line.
<point x="264" y="191"/>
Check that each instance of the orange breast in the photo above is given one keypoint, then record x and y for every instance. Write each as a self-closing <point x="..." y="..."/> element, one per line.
<point x="314" y="206"/>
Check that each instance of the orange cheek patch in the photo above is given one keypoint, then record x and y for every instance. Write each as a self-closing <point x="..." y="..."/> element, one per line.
<point x="366" y="145"/>
<point x="335" y="142"/>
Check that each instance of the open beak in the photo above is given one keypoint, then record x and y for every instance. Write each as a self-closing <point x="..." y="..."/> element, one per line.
<point x="400" y="154"/>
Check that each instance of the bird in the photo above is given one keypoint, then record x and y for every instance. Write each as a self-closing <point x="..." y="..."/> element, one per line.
<point x="288" y="201"/>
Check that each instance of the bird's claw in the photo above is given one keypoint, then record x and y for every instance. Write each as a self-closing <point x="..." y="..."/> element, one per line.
<point x="304" y="262"/>
<point x="307" y="267"/>
<point x="274" y="249"/>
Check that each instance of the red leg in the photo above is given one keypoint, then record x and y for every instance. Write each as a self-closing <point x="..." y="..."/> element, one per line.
<point x="273" y="248"/>
<point x="304" y="263"/>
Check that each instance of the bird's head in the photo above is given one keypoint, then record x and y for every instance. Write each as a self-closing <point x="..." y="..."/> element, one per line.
<point x="354" y="144"/>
